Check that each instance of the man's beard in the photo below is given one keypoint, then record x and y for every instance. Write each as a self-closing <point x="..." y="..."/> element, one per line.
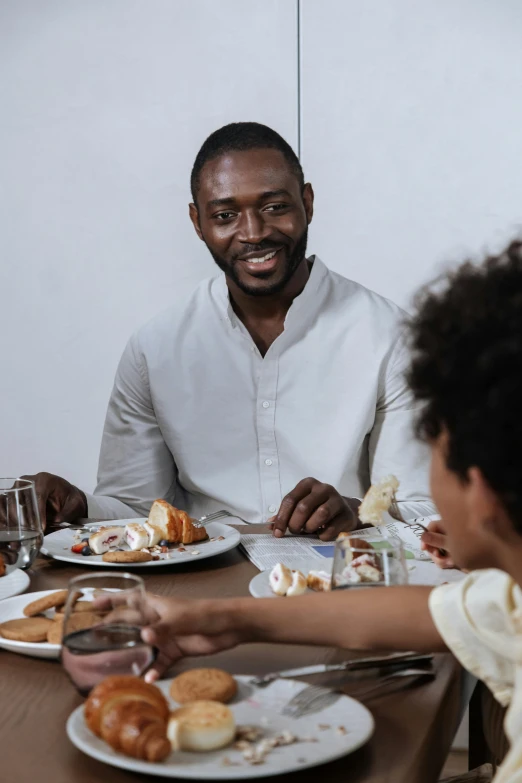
<point x="291" y="264"/>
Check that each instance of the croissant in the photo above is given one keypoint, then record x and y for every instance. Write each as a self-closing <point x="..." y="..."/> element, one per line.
<point x="131" y="716"/>
<point x="176" y="526"/>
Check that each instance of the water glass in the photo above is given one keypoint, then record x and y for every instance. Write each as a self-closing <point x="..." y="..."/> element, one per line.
<point x="21" y="533"/>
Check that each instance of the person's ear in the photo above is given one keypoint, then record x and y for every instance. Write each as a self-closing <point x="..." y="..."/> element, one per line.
<point x="486" y="513"/>
<point x="194" y="216"/>
<point x="308" y="201"/>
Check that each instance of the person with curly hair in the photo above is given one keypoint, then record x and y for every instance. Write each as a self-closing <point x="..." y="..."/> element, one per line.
<point x="466" y="370"/>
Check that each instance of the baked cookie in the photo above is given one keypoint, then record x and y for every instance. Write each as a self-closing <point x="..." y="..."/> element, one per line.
<point x="203" y="684"/>
<point x="29" y="629"/>
<point x="77" y="622"/>
<point x="51" y="601"/>
<point x="79" y="606"/>
<point x="126" y="557"/>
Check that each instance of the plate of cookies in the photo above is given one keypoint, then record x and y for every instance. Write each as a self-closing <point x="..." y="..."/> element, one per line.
<point x="284" y="582"/>
<point x="209" y="725"/>
<point x="32" y="624"/>
<point x="167" y="537"/>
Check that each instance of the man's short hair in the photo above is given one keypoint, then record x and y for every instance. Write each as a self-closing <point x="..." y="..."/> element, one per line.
<point x="239" y="137"/>
<point x="466" y="369"/>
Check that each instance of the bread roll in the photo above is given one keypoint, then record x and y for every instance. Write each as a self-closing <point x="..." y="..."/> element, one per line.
<point x="201" y="726"/>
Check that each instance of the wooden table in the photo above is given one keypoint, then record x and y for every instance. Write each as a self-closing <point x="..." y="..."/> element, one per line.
<point x="414" y="729"/>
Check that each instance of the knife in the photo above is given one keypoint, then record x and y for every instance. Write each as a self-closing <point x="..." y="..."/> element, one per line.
<point x="359" y="664"/>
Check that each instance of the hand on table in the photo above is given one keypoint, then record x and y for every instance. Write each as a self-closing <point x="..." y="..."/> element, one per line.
<point x="314" y="507"/>
<point x="58" y="500"/>
<point x="184" y="628"/>
<point x="434" y="541"/>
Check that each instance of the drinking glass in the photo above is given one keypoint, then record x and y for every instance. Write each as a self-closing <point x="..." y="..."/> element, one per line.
<point x="21" y="533"/>
<point x="362" y="563"/>
<point x="104" y="638"/>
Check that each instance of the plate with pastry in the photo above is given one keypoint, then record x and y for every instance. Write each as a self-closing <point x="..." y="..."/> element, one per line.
<point x="207" y="725"/>
<point x="284" y="582"/>
<point x="167" y="537"/>
<point x="13" y="581"/>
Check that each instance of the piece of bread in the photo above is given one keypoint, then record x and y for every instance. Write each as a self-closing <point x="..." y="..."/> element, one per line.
<point x="28" y="629"/>
<point x="280" y="579"/>
<point x="165" y="518"/>
<point x="203" y="684"/>
<point x="319" y="581"/>
<point x="299" y="584"/>
<point x="136" y="536"/>
<point x="201" y="726"/>
<point x="191" y="534"/>
<point x="105" y="537"/>
<point x="154" y="534"/>
<point x="131" y="716"/>
<point x="377" y="501"/>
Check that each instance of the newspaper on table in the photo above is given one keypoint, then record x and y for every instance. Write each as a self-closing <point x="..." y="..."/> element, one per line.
<point x="306" y="553"/>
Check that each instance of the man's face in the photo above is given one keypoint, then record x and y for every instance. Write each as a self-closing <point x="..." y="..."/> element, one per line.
<point x="253" y="217"/>
<point x="464" y="506"/>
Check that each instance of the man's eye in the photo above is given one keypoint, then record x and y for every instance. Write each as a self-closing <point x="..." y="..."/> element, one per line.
<point x="224" y="215"/>
<point x="276" y="207"/>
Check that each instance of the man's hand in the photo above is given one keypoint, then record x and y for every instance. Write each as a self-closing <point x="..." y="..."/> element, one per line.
<point x="435" y="541"/>
<point x="58" y="501"/>
<point x="185" y="628"/>
<point x="314" y="507"/>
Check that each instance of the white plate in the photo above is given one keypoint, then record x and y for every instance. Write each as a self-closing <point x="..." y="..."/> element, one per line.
<point x="260" y="585"/>
<point x="58" y="545"/>
<point x="13" y="609"/>
<point x="260" y="707"/>
<point x="13" y="583"/>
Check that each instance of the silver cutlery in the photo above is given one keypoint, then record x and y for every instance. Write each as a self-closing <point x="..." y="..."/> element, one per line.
<point x="357" y="664"/>
<point x="311" y="699"/>
<point x="427" y="674"/>
<point x="201" y="522"/>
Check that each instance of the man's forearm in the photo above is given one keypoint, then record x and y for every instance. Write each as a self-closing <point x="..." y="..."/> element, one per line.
<point x="383" y="618"/>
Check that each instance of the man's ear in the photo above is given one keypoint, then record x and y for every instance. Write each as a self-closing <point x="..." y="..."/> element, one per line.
<point x="194" y="216"/>
<point x="308" y="201"/>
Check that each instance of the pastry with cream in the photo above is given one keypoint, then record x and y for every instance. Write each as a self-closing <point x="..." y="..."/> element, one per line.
<point x="378" y="500"/>
<point x="201" y="726"/>
<point x="105" y="538"/>
<point x="280" y="579"/>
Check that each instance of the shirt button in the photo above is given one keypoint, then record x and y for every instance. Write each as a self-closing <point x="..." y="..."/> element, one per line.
<point x="272" y="509"/>
<point x="266" y="404"/>
<point x="268" y="461"/>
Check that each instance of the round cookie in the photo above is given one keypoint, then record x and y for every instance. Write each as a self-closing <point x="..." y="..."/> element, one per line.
<point x="203" y="684"/>
<point x="79" y="606"/>
<point x="50" y="601"/>
<point x="78" y="621"/>
<point x="29" y="629"/>
<point x="127" y="556"/>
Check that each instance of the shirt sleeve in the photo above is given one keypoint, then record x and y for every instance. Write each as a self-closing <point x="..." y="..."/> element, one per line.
<point x="475" y="617"/>
<point x="135" y="465"/>
<point x="393" y="447"/>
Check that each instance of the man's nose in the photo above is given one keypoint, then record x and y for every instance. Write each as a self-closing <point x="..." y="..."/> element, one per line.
<point x="252" y="227"/>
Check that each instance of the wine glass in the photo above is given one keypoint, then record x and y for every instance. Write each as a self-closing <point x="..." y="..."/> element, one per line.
<point x="359" y="562"/>
<point x="103" y="618"/>
<point x="21" y="533"/>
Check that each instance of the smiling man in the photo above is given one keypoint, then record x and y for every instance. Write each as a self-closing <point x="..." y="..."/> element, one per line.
<point x="276" y="390"/>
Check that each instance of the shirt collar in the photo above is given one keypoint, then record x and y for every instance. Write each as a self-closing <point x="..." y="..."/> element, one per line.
<point x="306" y="305"/>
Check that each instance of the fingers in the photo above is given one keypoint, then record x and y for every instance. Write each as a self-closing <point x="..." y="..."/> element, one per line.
<point x="437" y="540"/>
<point x="326" y="513"/>
<point x="289" y="504"/>
<point x="336" y="526"/>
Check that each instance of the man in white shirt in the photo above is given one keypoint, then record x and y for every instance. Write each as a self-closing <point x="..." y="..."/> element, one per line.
<point x="276" y="390"/>
<point x="466" y="373"/>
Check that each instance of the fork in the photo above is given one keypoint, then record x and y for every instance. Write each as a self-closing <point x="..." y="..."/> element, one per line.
<point x="427" y="674"/>
<point x="312" y="698"/>
<point x="396" y="513"/>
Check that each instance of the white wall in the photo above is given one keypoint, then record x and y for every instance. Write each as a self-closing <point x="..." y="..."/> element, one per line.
<point x="103" y="106"/>
<point x="411" y="123"/>
<point x="412" y="127"/>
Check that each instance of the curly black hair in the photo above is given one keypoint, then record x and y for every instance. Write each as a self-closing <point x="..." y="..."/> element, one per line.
<point x="238" y="137"/>
<point x="466" y="369"/>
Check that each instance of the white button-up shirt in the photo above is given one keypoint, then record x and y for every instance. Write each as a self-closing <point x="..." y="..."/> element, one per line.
<point x="197" y="416"/>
